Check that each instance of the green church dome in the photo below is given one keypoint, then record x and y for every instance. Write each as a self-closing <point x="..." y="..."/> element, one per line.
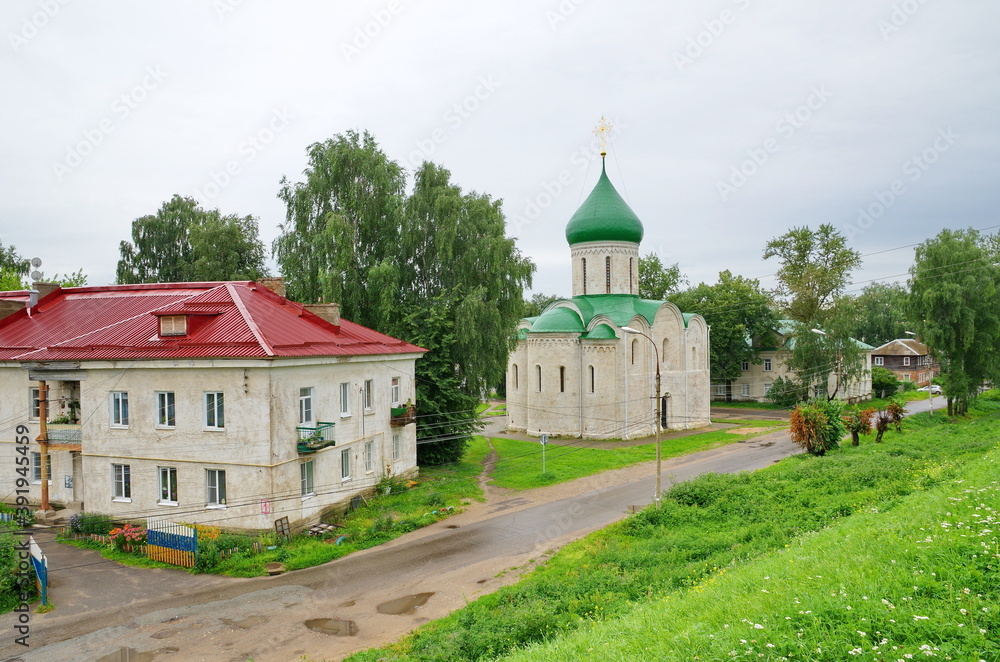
<point x="604" y="216"/>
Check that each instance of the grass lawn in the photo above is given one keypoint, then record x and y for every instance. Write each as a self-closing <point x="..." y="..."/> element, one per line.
<point x="481" y="407"/>
<point x="519" y="463"/>
<point x="814" y="558"/>
<point x="747" y="405"/>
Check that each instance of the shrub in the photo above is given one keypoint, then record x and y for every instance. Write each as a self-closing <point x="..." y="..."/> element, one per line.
<point x="859" y="422"/>
<point x="786" y="392"/>
<point x="807" y="424"/>
<point x="884" y="381"/>
<point x="98" y="523"/>
<point x="127" y="535"/>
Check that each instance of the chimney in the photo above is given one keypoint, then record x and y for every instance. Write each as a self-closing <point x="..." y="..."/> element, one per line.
<point x="8" y="308"/>
<point x="276" y="285"/>
<point x="44" y="289"/>
<point x="327" y="311"/>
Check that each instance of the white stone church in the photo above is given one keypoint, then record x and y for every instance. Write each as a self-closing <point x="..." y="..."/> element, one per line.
<point x="576" y="373"/>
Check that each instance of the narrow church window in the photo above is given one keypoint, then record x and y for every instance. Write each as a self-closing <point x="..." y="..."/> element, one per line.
<point x="607" y="274"/>
<point x="591" y="379"/>
<point x="584" y="260"/>
<point x="562" y="379"/>
<point x="513" y="374"/>
<point x="666" y="352"/>
<point x="635" y="349"/>
<point x="630" y="288"/>
<point x="538" y="374"/>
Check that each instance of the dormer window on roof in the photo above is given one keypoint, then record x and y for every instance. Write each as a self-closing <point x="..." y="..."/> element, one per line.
<point x="173" y="325"/>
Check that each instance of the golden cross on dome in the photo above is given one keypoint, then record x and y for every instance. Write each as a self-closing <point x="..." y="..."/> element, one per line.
<point x="601" y="131"/>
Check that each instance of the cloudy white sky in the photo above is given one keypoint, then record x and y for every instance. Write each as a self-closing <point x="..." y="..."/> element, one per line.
<point x="736" y="119"/>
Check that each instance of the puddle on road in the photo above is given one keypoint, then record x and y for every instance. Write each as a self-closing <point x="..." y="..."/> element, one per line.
<point x="246" y="623"/>
<point x="404" y="605"/>
<point x="163" y="634"/>
<point x="334" y="626"/>
<point x="349" y="603"/>
<point x="128" y="655"/>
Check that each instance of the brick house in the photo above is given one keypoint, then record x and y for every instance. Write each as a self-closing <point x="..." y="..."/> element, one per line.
<point x="909" y="359"/>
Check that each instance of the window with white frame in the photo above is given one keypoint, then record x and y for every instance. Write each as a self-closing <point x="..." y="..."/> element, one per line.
<point x="165" y="409"/>
<point x="345" y="464"/>
<point x="168" y="485"/>
<point x="36" y="467"/>
<point x="720" y="389"/>
<point x="767" y="388"/>
<point x="345" y="399"/>
<point x="308" y="486"/>
<point x="745" y="390"/>
<point x="397" y="446"/>
<point x="906" y="360"/>
<point x="767" y="365"/>
<point x="215" y="417"/>
<point x="121" y="480"/>
<point x="306" y="406"/>
<point x="394" y="392"/>
<point x="878" y="360"/>
<point x="119" y="409"/>
<point x="366" y="395"/>
<point x="34" y="407"/>
<point x="744" y="365"/>
<point x="215" y="488"/>
<point x="369" y="456"/>
<point x="906" y="376"/>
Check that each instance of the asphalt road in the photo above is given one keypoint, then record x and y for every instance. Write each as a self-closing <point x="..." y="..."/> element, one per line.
<point x="174" y="615"/>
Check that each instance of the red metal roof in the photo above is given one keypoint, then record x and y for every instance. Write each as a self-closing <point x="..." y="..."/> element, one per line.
<point x="226" y="320"/>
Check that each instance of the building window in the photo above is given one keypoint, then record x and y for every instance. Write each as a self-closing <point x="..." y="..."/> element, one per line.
<point x="630" y="286"/>
<point x="593" y="382"/>
<point x="366" y="395"/>
<point x="744" y="365"/>
<point x="215" y="483"/>
<point x="215" y="418"/>
<point x="584" y="261"/>
<point x="665" y="353"/>
<point x="34" y="406"/>
<point x="173" y="325"/>
<point x="767" y="388"/>
<point x="607" y="274"/>
<point x="397" y="446"/>
<point x="906" y="360"/>
<point x="878" y="360"/>
<point x="394" y="392"/>
<point x="345" y="399"/>
<point x="538" y="376"/>
<point x="345" y="464"/>
<point x="306" y="406"/>
<point x="635" y="349"/>
<point x="906" y="376"/>
<point x="745" y="390"/>
<point x="119" y="409"/>
<point x="369" y="456"/>
<point x="165" y="409"/>
<point x="121" y="477"/>
<point x="562" y="379"/>
<point x="513" y="374"/>
<point x="720" y="389"/>
<point x="308" y="486"/>
<point x="767" y="365"/>
<point x="36" y="467"/>
<point x="168" y="485"/>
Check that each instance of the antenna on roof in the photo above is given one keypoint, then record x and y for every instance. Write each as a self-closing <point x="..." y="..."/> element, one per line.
<point x="35" y="276"/>
<point x="36" y="262"/>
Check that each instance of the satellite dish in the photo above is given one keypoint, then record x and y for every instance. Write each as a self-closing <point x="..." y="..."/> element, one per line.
<point x="36" y="275"/>
<point x="36" y="262"/>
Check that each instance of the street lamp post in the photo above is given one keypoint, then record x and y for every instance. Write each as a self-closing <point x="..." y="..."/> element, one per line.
<point x="656" y="411"/>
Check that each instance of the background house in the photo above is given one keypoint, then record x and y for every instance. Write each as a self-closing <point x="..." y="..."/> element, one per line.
<point x="908" y="358"/>
<point x="204" y="402"/>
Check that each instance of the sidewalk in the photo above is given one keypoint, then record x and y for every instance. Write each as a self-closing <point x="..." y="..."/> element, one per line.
<point x="496" y="427"/>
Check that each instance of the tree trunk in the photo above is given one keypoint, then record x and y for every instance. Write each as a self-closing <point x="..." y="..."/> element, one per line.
<point x="854" y="439"/>
<point x="878" y="436"/>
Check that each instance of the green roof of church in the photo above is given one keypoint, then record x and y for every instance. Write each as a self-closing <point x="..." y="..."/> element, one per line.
<point x="604" y="216"/>
<point x="621" y="309"/>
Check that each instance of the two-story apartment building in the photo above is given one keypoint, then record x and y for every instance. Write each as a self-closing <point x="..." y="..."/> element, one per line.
<point x="908" y="358"/>
<point x="220" y="403"/>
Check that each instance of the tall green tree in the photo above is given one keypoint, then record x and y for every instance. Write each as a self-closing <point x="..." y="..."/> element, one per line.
<point x="182" y="242"/>
<point x="816" y="356"/>
<point x="657" y="281"/>
<point x="538" y="302"/>
<point x="878" y="313"/>
<point x="815" y="267"/>
<point x="13" y="268"/>
<point x="434" y="268"/>
<point x="742" y="322"/>
<point x="954" y="284"/>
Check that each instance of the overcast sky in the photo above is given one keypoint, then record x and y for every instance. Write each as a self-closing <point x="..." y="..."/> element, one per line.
<point x="735" y="119"/>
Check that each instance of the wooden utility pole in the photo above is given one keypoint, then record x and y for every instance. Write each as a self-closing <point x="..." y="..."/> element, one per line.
<point x="43" y="442"/>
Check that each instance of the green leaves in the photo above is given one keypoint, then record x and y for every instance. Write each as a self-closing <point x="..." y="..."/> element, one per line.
<point x="657" y="281"/>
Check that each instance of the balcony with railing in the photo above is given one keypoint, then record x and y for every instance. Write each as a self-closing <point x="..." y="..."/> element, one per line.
<point x="312" y="439"/>
<point x="400" y="416"/>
